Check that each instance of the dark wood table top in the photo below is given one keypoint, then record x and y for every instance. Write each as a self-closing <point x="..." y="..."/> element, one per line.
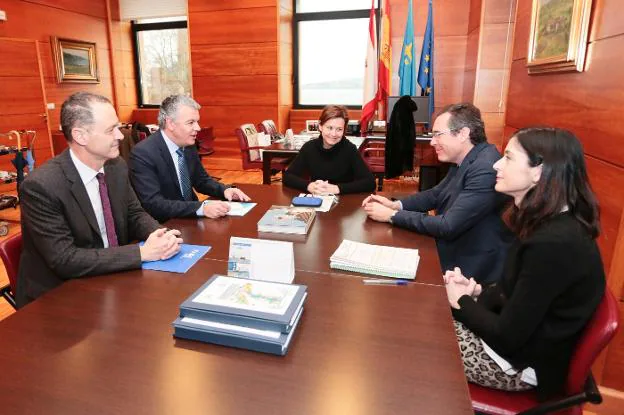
<point x="104" y="345"/>
<point x="346" y="220"/>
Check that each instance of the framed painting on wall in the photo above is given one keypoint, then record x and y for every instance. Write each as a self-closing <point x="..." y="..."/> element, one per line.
<point x="558" y="37"/>
<point x="75" y="61"/>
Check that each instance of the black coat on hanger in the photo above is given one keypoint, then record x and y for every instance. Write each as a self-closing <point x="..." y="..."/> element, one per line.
<point x="400" y="138"/>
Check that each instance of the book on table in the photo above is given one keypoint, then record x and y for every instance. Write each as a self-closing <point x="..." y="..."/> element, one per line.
<point x="287" y="219"/>
<point x="251" y="314"/>
<point x="387" y="261"/>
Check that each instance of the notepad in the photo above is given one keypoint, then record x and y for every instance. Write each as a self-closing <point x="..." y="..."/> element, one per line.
<point x="381" y="260"/>
<point x="181" y="262"/>
<point x="237" y="208"/>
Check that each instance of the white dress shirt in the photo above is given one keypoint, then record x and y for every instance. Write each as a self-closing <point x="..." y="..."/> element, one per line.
<point x="173" y="148"/>
<point x="89" y="179"/>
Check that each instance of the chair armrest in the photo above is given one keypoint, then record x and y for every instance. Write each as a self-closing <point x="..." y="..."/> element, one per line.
<point x="253" y="148"/>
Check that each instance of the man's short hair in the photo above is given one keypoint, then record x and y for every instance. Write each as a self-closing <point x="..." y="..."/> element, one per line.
<point x="466" y="115"/>
<point x="76" y="111"/>
<point x="170" y="106"/>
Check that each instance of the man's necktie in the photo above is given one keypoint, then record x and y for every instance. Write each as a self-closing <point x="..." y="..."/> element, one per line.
<point x="109" y="222"/>
<point x="185" y="181"/>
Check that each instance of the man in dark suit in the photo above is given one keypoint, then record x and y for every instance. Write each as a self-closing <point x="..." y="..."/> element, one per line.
<point x="165" y="168"/>
<point x="467" y="224"/>
<point x="79" y="213"/>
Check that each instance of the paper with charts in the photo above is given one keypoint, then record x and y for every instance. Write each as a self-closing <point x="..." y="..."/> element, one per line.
<point x="387" y="261"/>
<point x="259" y="296"/>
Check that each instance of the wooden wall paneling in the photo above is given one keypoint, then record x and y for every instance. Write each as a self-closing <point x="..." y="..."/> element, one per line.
<point x="607" y="19"/>
<point x="236" y="90"/>
<point x="608" y="183"/>
<point x="614" y="364"/>
<point x="521" y="32"/>
<point x="33" y="21"/>
<point x="495" y="36"/>
<point x="449" y="87"/>
<point x="450" y="17"/>
<point x="582" y="102"/>
<point x="494" y="128"/>
<point x="225" y="27"/>
<point x="488" y="90"/>
<point x="235" y="59"/>
<point x="499" y="11"/>
<point x="450" y="54"/>
<point x="470" y="82"/>
<point x="226" y="118"/>
<point x="96" y="9"/>
<point x="285" y="90"/>
<point x="474" y="18"/>
<point x="16" y="63"/>
<point x="195" y="6"/>
<point x="21" y="95"/>
<point x="283" y="118"/>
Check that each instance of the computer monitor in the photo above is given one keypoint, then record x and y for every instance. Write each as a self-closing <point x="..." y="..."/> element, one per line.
<point x="421" y="115"/>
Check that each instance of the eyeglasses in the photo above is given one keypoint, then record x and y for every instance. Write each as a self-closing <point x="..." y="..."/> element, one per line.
<point x="439" y="133"/>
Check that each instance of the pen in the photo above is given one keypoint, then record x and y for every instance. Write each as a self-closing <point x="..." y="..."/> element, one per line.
<point x="384" y="282"/>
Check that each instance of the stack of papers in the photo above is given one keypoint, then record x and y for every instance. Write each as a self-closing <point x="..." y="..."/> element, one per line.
<point x="381" y="260"/>
<point x="248" y="314"/>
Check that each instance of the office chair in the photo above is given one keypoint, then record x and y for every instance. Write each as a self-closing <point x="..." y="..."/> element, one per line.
<point x="580" y="386"/>
<point x="10" y="251"/>
<point x="250" y="150"/>
<point x="205" y="142"/>
<point x="373" y="152"/>
<point x="268" y="127"/>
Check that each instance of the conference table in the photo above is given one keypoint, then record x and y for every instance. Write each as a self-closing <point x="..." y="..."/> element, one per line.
<point x="104" y="345"/>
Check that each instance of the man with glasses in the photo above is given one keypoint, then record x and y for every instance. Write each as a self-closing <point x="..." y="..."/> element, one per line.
<point x="467" y="223"/>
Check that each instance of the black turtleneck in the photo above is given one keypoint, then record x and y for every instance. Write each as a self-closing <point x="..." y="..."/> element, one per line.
<point x="341" y="165"/>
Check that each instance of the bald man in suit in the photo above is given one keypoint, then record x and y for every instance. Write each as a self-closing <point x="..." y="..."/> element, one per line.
<point x="79" y="212"/>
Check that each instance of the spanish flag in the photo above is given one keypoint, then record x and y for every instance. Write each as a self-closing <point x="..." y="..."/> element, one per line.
<point x="385" y="56"/>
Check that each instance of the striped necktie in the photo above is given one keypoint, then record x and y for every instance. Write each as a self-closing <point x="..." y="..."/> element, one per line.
<point x="185" y="181"/>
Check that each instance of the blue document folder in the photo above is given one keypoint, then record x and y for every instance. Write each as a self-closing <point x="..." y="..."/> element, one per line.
<point x="233" y="336"/>
<point x="251" y="303"/>
<point x="181" y="262"/>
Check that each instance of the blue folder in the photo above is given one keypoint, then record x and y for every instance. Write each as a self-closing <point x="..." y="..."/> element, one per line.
<point x="181" y="262"/>
<point x="233" y="338"/>
<point x="245" y="317"/>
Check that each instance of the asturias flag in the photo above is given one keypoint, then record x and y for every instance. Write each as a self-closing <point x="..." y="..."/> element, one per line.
<point x="407" y="67"/>
<point x="425" y="71"/>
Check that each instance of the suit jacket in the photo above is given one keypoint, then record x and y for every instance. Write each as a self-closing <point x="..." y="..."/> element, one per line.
<point x="468" y="228"/>
<point x="155" y="180"/>
<point x="60" y="234"/>
<point x="401" y="138"/>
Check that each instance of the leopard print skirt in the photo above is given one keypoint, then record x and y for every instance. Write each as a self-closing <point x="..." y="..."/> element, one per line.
<point x="479" y="366"/>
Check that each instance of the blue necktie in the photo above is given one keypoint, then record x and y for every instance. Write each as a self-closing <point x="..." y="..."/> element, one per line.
<point x="185" y="181"/>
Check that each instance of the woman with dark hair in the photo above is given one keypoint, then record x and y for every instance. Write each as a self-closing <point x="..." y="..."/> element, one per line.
<point x="521" y="332"/>
<point x="330" y="164"/>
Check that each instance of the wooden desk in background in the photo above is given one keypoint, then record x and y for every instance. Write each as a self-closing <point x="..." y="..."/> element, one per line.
<point x="287" y="150"/>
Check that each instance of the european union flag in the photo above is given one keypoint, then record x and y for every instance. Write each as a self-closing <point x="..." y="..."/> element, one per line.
<point x="407" y="67"/>
<point x="425" y="71"/>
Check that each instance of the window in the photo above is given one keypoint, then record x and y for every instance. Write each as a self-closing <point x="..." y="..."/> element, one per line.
<point x="162" y="59"/>
<point x="330" y="51"/>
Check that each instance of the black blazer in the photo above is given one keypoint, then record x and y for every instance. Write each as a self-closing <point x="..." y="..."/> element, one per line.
<point x="552" y="284"/>
<point x="469" y="231"/>
<point x="60" y="234"/>
<point x="155" y="180"/>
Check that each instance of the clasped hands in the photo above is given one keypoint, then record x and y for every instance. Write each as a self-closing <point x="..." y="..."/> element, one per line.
<point x="457" y="285"/>
<point x="217" y="208"/>
<point x="323" y="187"/>
<point x="380" y="208"/>
<point x="161" y="244"/>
